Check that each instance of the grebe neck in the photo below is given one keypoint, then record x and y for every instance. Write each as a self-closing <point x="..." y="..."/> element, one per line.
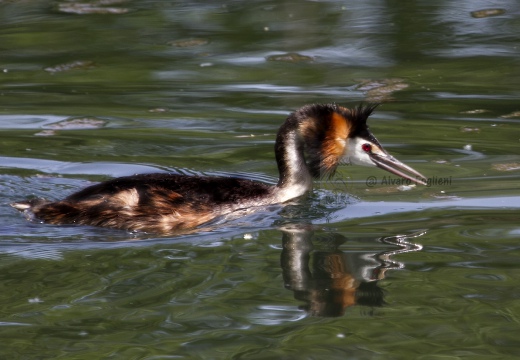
<point x="311" y="144"/>
<point x="295" y="176"/>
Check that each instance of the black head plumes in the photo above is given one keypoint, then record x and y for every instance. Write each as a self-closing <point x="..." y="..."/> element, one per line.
<point x="358" y="117"/>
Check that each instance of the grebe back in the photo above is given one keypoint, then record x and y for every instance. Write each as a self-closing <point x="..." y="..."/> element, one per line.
<point x="310" y="144"/>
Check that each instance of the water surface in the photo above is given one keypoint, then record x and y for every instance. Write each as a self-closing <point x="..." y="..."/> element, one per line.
<point x="364" y="268"/>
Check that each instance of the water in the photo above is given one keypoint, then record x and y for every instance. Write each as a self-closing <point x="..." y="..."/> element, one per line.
<point x="364" y="268"/>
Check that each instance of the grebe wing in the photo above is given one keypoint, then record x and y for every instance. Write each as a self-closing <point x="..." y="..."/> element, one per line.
<point x="150" y="202"/>
<point x="208" y="189"/>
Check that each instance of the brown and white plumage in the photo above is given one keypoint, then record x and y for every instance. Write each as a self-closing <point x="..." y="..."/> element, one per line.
<point x="311" y="144"/>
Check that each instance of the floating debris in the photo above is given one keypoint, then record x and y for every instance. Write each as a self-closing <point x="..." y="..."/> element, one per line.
<point x="252" y="135"/>
<point x="511" y="115"/>
<point x="46" y="133"/>
<point x="469" y="129"/>
<point x="384" y="190"/>
<point x="75" y="65"/>
<point x="381" y="90"/>
<point x="476" y="111"/>
<point x="158" y="110"/>
<point x="77" y="124"/>
<point x="35" y="300"/>
<point x="487" y="13"/>
<point x="188" y="42"/>
<point x="506" y="167"/>
<point x="96" y="7"/>
<point x="290" y="57"/>
<point x="468" y="147"/>
<point x="245" y="136"/>
<point x="443" y="196"/>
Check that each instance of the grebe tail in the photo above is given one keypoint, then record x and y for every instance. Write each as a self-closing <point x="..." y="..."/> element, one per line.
<point x="311" y="144"/>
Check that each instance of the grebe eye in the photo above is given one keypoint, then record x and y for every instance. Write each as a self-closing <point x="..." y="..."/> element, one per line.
<point x="366" y="147"/>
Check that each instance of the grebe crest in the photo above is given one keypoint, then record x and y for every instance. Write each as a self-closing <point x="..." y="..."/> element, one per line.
<point x="311" y="144"/>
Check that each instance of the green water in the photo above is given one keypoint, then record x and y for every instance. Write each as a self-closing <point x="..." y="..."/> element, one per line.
<point x="359" y="270"/>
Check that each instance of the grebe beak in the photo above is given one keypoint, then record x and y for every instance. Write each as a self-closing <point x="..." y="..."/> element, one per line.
<point x="394" y="166"/>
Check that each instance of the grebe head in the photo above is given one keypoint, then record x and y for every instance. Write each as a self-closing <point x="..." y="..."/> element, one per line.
<point x="363" y="149"/>
<point x="335" y="135"/>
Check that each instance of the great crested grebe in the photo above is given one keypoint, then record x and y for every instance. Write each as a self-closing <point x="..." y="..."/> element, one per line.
<point x="311" y="143"/>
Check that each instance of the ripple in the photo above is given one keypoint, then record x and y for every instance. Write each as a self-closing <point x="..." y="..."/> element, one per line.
<point x="271" y="315"/>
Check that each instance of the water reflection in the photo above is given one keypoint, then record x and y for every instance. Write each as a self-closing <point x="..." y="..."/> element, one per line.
<point x="328" y="279"/>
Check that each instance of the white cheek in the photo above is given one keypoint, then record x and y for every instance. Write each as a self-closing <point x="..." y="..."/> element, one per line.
<point x="354" y="154"/>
